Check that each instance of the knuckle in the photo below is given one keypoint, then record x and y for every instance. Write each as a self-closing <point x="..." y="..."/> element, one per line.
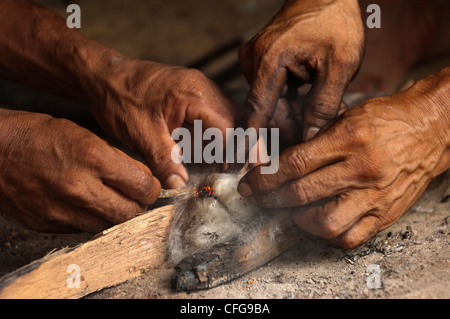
<point x="147" y="188"/>
<point x="296" y="162"/>
<point x="263" y="182"/>
<point x="258" y="46"/>
<point x="348" y="58"/>
<point x="142" y="182"/>
<point x="161" y="165"/>
<point x="75" y="190"/>
<point x="370" y="164"/>
<point x="94" y="151"/>
<point x="258" y="103"/>
<point x="360" y="133"/>
<point x="371" y="168"/>
<point x="303" y="193"/>
<point x="194" y="76"/>
<point x="324" y="110"/>
<point x="330" y="227"/>
<point x="160" y="158"/>
<point x="267" y="49"/>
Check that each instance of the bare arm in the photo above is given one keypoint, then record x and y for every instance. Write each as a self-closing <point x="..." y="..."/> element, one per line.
<point x="135" y="101"/>
<point x="37" y="48"/>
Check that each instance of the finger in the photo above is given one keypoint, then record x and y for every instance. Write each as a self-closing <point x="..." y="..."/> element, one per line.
<point x="159" y="156"/>
<point x="42" y="223"/>
<point x="377" y="220"/>
<point x="359" y="233"/>
<point x="294" y="163"/>
<point x="246" y="61"/>
<point x="71" y="218"/>
<point x="265" y="90"/>
<point x="323" y="183"/>
<point x="334" y="217"/>
<point x="285" y="121"/>
<point x="62" y="217"/>
<point x="105" y="202"/>
<point x="131" y="177"/>
<point x="322" y="103"/>
<point x="269" y="80"/>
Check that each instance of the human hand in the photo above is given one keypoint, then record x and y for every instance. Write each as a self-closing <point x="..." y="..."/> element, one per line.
<point x="310" y="41"/>
<point x="359" y="175"/>
<point x="142" y="102"/>
<point x="58" y="177"/>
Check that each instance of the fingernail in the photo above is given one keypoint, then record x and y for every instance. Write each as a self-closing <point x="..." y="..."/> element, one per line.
<point x="310" y="133"/>
<point x="175" y="181"/>
<point x="244" y="189"/>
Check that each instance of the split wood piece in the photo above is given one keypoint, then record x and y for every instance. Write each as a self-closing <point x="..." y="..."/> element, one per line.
<point x="114" y="256"/>
<point x="227" y="261"/>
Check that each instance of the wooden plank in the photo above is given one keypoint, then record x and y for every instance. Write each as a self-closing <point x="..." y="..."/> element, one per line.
<point x="114" y="256"/>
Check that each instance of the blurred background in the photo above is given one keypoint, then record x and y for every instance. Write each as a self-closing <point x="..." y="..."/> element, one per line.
<point x="204" y="34"/>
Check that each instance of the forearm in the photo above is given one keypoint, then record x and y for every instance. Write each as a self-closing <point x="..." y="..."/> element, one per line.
<point x="320" y="2"/>
<point x="37" y="48"/>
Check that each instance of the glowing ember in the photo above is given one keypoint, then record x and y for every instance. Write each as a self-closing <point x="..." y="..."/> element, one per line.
<point x="206" y="191"/>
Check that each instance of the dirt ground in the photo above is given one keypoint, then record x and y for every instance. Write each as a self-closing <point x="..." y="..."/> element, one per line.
<point x="413" y="254"/>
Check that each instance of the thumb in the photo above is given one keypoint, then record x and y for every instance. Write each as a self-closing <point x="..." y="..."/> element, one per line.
<point x="159" y="157"/>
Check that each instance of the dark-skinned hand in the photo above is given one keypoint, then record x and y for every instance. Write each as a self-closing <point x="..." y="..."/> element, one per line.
<point x="308" y="41"/>
<point x="56" y="176"/>
<point x="359" y="175"/>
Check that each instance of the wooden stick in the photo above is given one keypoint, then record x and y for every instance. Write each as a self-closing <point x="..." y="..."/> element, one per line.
<point x="114" y="256"/>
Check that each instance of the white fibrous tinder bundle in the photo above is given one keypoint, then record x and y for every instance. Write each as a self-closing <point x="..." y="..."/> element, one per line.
<point x="214" y="213"/>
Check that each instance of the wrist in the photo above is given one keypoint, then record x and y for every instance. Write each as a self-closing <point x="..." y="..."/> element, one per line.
<point x="43" y="52"/>
<point x="430" y="98"/>
<point x="95" y="68"/>
<point x="319" y="3"/>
